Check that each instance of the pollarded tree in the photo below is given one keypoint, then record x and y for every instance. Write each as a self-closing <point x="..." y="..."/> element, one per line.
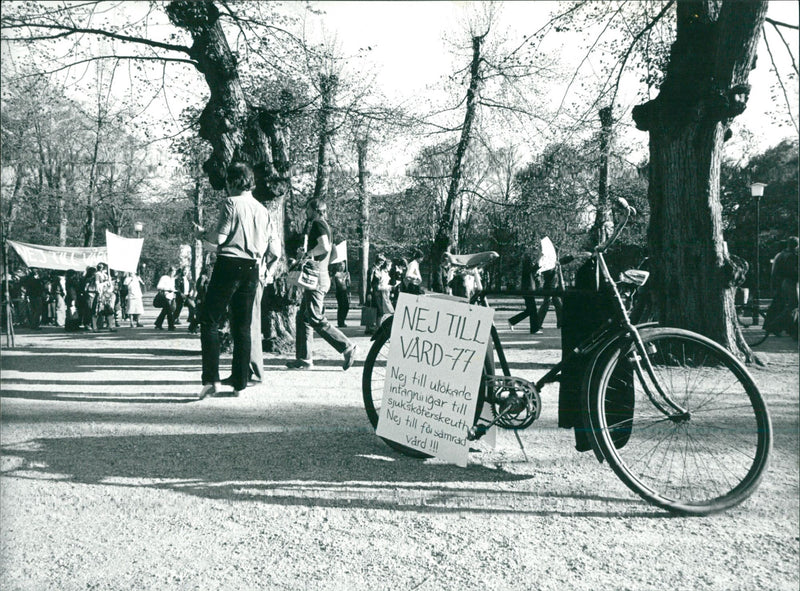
<point x="235" y="126"/>
<point x="705" y="87"/>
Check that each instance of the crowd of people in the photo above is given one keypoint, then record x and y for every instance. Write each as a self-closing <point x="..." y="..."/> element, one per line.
<point x="95" y="300"/>
<point x="229" y="290"/>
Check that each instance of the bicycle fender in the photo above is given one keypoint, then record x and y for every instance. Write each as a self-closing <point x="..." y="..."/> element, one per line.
<point x="591" y="373"/>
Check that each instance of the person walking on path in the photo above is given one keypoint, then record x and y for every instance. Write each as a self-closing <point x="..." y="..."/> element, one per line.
<point x="782" y="312"/>
<point x="166" y="284"/>
<point x="242" y="236"/>
<point x="341" y="283"/>
<point x="311" y="315"/>
<point x="134" y="305"/>
<point x="383" y="291"/>
<point x="200" y="294"/>
<point x="104" y="309"/>
<point x="36" y="296"/>
<point x="412" y="280"/>
<point x="373" y="280"/>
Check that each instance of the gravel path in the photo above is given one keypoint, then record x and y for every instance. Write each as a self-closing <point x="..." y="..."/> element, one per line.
<point x="114" y="477"/>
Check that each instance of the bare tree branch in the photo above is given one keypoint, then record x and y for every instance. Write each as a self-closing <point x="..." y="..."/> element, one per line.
<point x="633" y="44"/>
<point x="777" y="24"/>
<point x="785" y="44"/>
<point x="103" y="57"/>
<point x="780" y="81"/>
<point x="66" y="31"/>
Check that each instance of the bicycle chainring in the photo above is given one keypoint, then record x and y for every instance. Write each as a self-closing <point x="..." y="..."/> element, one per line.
<point x="515" y="401"/>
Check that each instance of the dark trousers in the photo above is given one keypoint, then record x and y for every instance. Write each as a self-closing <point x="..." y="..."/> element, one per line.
<point x="178" y="305"/>
<point x="37" y="308"/>
<point x="342" y="306"/>
<point x="233" y="282"/>
<point x="168" y="312"/>
<point x="311" y="317"/>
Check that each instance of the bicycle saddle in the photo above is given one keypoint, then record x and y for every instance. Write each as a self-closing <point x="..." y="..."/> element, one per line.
<point x="634" y="276"/>
<point x="477" y="259"/>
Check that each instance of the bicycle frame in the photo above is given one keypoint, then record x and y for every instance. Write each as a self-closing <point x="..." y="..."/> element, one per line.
<point x="612" y="329"/>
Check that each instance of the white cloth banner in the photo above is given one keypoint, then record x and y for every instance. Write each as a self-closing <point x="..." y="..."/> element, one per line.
<point x="123" y="253"/>
<point x="549" y="258"/>
<point x="433" y="374"/>
<point x="60" y="258"/>
<point x="339" y="253"/>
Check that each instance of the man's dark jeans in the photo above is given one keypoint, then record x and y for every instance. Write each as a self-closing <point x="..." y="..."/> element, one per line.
<point x="232" y="282"/>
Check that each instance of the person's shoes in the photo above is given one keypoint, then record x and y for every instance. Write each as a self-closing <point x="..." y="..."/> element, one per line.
<point x="229" y="381"/>
<point x="299" y="364"/>
<point x="171" y="328"/>
<point x="349" y="357"/>
<point x="342" y="326"/>
<point x="177" y="322"/>
<point x="159" y="327"/>
<point x="237" y="393"/>
<point x="208" y="390"/>
<point x="139" y="325"/>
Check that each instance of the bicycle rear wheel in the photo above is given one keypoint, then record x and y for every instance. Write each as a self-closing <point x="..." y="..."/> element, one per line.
<point x="754" y="334"/>
<point x="696" y="463"/>
<point x="374" y="376"/>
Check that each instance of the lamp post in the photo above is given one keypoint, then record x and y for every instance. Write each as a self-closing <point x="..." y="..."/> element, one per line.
<point x="138" y="227"/>
<point x="757" y="191"/>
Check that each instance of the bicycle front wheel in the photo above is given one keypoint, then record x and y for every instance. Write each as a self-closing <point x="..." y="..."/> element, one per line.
<point x="698" y="447"/>
<point x="374" y="377"/>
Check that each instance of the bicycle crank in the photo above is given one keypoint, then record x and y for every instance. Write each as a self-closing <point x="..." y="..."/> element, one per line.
<point x="515" y="401"/>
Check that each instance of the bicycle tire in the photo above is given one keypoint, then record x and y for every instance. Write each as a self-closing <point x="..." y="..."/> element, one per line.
<point x="754" y="335"/>
<point x="372" y="381"/>
<point x="703" y="465"/>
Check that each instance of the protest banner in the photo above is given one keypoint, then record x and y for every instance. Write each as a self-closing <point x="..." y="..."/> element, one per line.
<point x="123" y="253"/>
<point x="433" y="374"/>
<point x="60" y="258"/>
<point x="339" y="253"/>
<point x="548" y="260"/>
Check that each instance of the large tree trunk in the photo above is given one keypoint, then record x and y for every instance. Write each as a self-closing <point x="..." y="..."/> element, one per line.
<point x="448" y="223"/>
<point x="239" y="132"/>
<point x="361" y="147"/>
<point x="704" y="89"/>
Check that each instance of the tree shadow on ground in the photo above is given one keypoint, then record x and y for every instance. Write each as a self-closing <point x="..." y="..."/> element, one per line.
<point x="337" y="468"/>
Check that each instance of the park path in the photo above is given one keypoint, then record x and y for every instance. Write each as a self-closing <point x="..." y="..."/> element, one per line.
<point x="113" y="476"/>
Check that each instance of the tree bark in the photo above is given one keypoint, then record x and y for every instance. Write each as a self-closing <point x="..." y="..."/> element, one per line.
<point x="328" y="85"/>
<point x="197" y="251"/>
<point x="239" y="132"/>
<point x="705" y="88"/>
<point x="603" y="225"/>
<point x="88" y="228"/>
<point x="361" y="148"/>
<point x="448" y="223"/>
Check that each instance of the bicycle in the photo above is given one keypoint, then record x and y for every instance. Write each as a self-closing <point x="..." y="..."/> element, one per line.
<point x="678" y="417"/>
<point x="753" y="331"/>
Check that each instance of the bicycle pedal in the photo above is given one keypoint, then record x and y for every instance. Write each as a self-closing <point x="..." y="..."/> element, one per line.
<point x="476" y="432"/>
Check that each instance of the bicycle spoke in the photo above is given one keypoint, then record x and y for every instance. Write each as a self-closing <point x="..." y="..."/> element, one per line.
<point x="701" y="461"/>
